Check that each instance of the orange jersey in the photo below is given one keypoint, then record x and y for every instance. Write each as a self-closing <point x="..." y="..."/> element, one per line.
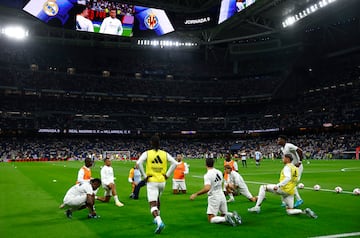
<point x="179" y="172"/>
<point x="86" y="174"/>
<point x="231" y="164"/>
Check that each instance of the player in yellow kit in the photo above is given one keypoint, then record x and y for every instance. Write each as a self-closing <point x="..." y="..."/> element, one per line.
<point x="156" y="174"/>
<point x="285" y="188"/>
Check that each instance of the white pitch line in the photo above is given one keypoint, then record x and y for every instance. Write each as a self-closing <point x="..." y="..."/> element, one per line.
<point x="338" y="235"/>
<point x="353" y="168"/>
<point x="308" y="188"/>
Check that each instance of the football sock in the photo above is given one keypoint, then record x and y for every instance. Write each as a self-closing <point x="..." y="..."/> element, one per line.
<point x="218" y="219"/>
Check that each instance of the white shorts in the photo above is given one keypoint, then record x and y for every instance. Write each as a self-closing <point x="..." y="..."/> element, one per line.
<point x="75" y="201"/>
<point x="217" y="203"/>
<point x="154" y="190"/>
<point x="107" y="190"/>
<point x="179" y="184"/>
<point x="286" y="198"/>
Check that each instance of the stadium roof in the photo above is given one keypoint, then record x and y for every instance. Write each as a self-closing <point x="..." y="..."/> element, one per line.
<point x="262" y="19"/>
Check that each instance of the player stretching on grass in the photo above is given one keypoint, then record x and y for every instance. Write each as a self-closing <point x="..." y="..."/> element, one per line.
<point x="213" y="182"/>
<point x="108" y="184"/>
<point x="285" y="188"/>
<point x="156" y="176"/>
<point x="81" y="196"/>
<point x="297" y="155"/>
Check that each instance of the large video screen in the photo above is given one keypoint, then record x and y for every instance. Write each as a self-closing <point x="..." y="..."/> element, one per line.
<point x="106" y="17"/>
<point x="229" y="7"/>
<point x="152" y="19"/>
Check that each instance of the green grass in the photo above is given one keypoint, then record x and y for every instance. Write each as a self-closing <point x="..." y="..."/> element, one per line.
<point x="29" y="203"/>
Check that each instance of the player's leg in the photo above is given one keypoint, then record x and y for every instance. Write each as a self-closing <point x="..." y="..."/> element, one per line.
<point x="107" y="194"/>
<point x="175" y="186"/>
<point x="182" y="186"/>
<point x="154" y="191"/>
<point x="213" y="209"/>
<point x="262" y="191"/>
<point x="137" y="189"/>
<point x="299" y="200"/>
<point x="112" y="187"/>
<point x="244" y="190"/>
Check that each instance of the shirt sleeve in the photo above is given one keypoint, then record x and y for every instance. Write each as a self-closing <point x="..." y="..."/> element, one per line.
<point x="141" y="160"/>
<point x="207" y="180"/>
<point x="88" y="189"/>
<point x="131" y="175"/>
<point x="173" y="165"/>
<point x="237" y="181"/>
<point x="236" y="167"/>
<point x="186" y="171"/>
<point x="103" y="26"/>
<point x="80" y="177"/>
<point x="120" y="31"/>
<point x="287" y="174"/>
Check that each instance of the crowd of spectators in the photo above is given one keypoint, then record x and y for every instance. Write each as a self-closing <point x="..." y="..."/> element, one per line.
<point x="314" y="146"/>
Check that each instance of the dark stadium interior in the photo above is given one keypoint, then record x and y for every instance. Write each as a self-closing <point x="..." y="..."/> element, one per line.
<point x="247" y="75"/>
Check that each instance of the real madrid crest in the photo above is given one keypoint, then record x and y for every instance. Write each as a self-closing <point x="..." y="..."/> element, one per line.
<point x="51" y="8"/>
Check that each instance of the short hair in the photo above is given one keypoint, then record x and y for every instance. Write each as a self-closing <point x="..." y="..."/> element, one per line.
<point x="289" y="156"/>
<point x="95" y="180"/>
<point x="87" y="160"/>
<point x="155" y="142"/>
<point x="283" y="137"/>
<point x="227" y="167"/>
<point x="210" y="162"/>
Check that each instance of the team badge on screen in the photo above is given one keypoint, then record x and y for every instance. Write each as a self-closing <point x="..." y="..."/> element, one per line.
<point x="151" y="21"/>
<point x="51" y="8"/>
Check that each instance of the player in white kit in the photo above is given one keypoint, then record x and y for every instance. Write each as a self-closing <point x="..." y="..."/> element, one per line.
<point x="213" y="182"/>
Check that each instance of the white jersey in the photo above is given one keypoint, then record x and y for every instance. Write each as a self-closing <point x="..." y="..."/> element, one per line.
<point x="243" y="156"/>
<point x="236" y="179"/>
<point x="107" y="175"/>
<point x="258" y="155"/>
<point x="289" y="148"/>
<point x="111" y="26"/>
<point x="214" y="178"/>
<point x="84" y="24"/>
<point x="80" y="189"/>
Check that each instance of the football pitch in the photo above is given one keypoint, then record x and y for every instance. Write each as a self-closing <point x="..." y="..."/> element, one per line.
<point x="31" y="193"/>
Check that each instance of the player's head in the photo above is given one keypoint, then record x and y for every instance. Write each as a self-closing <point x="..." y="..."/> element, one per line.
<point x="209" y="162"/>
<point x="107" y="161"/>
<point x="287" y="158"/>
<point x="155" y="142"/>
<point x="179" y="157"/>
<point x="112" y="12"/>
<point x="95" y="183"/>
<point x="227" y="169"/>
<point x="83" y="10"/>
<point x="227" y="156"/>
<point x="88" y="162"/>
<point x="281" y="140"/>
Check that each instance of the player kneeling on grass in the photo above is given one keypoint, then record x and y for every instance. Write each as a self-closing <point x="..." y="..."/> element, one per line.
<point x="81" y="196"/>
<point x="213" y="181"/>
<point x="285" y="188"/>
<point x="108" y="184"/>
